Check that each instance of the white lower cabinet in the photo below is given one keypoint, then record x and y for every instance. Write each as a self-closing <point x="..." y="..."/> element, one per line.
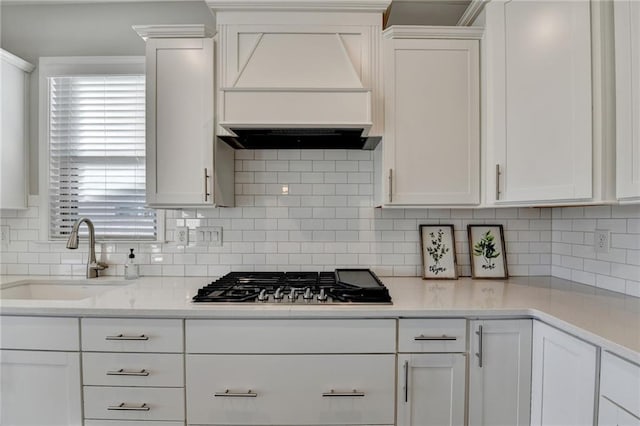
<point x="619" y="392"/>
<point x="563" y="386"/>
<point x="39" y="372"/>
<point x="499" y="372"/>
<point x="431" y="389"/>
<point x="290" y="389"/>
<point x="40" y="388"/>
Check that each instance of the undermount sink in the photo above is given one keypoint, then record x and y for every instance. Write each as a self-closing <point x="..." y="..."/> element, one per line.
<point x="56" y="290"/>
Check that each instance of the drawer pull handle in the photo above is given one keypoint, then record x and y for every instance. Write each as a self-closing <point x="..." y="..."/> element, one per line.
<point x="124" y="337"/>
<point x="333" y="393"/>
<point x="443" y="337"/>
<point x="229" y="394"/>
<point x="123" y="372"/>
<point x="127" y="407"/>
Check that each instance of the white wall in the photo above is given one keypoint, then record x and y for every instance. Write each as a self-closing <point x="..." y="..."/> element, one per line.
<point x="33" y="31"/>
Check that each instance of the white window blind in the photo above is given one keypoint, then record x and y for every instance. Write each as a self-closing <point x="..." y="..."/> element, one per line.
<point x="97" y="156"/>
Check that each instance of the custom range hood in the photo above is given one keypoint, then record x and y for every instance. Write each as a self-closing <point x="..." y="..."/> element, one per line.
<point x="299" y="74"/>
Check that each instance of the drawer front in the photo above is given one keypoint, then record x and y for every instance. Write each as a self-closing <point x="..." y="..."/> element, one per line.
<point x="44" y="333"/>
<point x="125" y="369"/>
<point x="432" y="335"/>
<point x="620" y="382"/>
<point x="131" y="335"/>
<point x="139" y="403"/>
<point x="290" y="389"/>
<point x="290" y="336"/>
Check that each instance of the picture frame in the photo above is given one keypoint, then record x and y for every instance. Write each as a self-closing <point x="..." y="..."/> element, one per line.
<point x="438" y="248"/>
<point x="487" y="251"/>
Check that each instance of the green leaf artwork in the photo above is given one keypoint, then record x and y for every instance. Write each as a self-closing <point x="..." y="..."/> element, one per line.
<point x="486" y="248"/>
<point x="437" y="250"/>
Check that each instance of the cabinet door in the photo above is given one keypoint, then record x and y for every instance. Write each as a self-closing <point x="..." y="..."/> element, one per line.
<point x="432" y="131"/>
<point x="180" y="122"/>
<point x="431" y="389"/>
<point x="40" y="388"/>
<point x="627" y="40"/>
<point x="563" y="383"/>
<point x="500" y="372"/>
<point x="539" y="100"/>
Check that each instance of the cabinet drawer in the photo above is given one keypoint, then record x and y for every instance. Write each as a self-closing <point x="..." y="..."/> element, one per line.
<point x="620" y="382"/>
<point x="290" y="336"/>
<point x="139" y="403"/>
<point x="432" y="335"/>
<point x="125" y="369"/>
<point x="290" y="389"/>
<point x="52" y="334"/>
<point x="131" y="335"/>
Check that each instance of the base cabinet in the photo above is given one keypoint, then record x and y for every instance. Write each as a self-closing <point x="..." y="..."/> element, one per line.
<point x="499" y="372"/>
<point x="40" y="388"/>
<point x="431" y="389"/>
<point x="563" y="388"/>
<point x="290" y="389"/>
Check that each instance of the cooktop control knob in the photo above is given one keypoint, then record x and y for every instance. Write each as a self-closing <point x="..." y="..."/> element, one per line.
<point x="278" y="295"/>
<point x="293" y="295"/>
<point x="262" y="296"/>
<point x="322" y="297"/>
<point x="308" y="295"/>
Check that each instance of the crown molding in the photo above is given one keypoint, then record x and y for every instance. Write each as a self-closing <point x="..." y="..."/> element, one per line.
<point x="433" y="32"/>
<point x="300" y="5"/>
<point x="472" y="12"/>
<point x="58" y="2"/>
<point x="173" y="31"/>
<point x="16" y="61"/>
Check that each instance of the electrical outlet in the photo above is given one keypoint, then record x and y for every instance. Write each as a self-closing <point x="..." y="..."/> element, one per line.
<point x="602" y="241"/>
<point x="5" y="235"/>
<point x="182" y="235"/>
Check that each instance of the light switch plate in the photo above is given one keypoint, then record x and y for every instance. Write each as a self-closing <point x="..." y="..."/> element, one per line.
<point x="209" y="235"/>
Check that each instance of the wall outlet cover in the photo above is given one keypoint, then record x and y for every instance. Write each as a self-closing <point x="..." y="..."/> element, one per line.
<point x="5" y="234"/>
<point x="182" y="235"/>
<point x="602" y="241"/>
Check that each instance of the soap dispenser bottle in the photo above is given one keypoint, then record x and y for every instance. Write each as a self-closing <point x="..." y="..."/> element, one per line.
<point x="131" y="267"/>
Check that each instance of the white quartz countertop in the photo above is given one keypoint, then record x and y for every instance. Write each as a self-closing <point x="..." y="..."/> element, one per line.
<point x="604" y="318"/>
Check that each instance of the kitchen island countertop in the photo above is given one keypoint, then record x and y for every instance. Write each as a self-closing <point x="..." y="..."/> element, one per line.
<point x="607" y="319"/>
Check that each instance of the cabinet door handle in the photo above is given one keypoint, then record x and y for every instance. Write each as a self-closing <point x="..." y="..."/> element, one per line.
<point x="479" y="353"/>
<point x="228" y="394"/>
<point x="333" y="393"/>
<point x="498" y="181"/>
<point x="123" y="372"/>
<point x="443" y="337"/>
<point x="125" y="337"/>
<point x="391" y="185"/>
<point x="206" y="185"/>
<point x="129" y="407"/>
<point x="406" y="381"/>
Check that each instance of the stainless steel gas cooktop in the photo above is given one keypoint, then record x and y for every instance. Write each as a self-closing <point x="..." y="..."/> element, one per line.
<point x="344" y="286"/>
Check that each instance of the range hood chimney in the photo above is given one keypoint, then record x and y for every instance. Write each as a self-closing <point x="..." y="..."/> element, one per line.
<point x="299" y="74"/>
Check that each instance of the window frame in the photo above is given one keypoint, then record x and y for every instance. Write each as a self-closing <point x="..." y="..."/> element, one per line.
<point x="67" y="66"/>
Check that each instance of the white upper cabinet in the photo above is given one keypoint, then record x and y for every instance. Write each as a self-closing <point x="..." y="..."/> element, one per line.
<point x="547" y="132"/>
<point x="186" y="165"/>
<point x="14" y="113"/>
<point x="430" y="153"/>
<point x="627" y="51"/>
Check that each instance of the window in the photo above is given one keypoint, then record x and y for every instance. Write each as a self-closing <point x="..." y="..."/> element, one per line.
<point x="95" y="145"/>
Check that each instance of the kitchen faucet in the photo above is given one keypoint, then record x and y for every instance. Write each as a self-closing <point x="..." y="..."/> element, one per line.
<point x="92" y="266"/>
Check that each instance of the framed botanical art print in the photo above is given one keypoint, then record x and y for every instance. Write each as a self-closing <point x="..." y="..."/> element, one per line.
<point x="438" y="249"/>
<point x="487" y="251"/>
